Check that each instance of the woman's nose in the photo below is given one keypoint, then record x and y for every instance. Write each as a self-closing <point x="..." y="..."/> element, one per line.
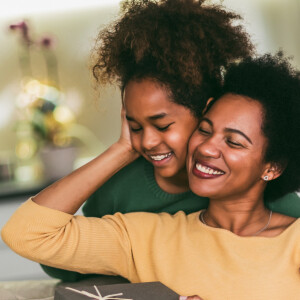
<point x="209" y="148"/>
<point x="150" y="139"/>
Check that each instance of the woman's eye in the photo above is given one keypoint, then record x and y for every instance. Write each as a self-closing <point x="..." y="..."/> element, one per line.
<point x="234" y="144"/>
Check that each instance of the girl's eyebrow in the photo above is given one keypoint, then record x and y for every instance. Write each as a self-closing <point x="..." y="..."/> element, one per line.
<point x="154" y="117"/>
<point x="228" y="129"/>
<point x="128" y="118"/>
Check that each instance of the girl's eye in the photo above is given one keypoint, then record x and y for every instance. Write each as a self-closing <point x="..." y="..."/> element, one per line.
<point x="164" y="128"/>
<point x="135" y="129"/>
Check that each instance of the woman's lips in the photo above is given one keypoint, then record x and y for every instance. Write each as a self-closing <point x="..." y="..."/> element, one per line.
<point x="205" y="171"/>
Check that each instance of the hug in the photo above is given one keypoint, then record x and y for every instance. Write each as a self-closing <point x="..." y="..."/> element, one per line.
<point x="243" y="154"/>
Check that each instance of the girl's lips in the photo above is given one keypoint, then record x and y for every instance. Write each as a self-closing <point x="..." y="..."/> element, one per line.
<point x="160" y="159"/>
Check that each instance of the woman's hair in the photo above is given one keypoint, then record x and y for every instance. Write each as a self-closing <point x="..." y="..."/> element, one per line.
<point x="181" y="44"/>
<point x="273" y="82"/>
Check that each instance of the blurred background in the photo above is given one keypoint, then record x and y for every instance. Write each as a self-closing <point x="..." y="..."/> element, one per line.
<point x="46" y="94"/>
<point x="48" y="108"/>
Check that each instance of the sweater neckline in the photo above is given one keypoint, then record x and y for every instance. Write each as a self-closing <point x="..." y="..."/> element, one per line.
<point x="222" y="231"/>
<point x="156" y="189"/>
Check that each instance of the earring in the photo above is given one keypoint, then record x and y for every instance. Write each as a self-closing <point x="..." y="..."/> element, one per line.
<point x="266" y="178"/>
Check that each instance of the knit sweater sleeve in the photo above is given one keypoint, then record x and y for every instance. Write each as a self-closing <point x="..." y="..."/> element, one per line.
<point x="77" y="243"/>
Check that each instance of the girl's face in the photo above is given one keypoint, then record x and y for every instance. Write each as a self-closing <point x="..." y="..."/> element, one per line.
<point x="226" y="152"/>
<point x="160" y="129"/>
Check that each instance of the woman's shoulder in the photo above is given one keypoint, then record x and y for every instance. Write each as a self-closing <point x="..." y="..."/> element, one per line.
<point x="281" y="223"/>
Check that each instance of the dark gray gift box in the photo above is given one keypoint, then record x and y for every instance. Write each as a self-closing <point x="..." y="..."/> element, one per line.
<point x="134" y="291"/>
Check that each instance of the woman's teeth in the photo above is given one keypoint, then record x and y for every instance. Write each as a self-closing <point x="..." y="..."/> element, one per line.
<point x="208" y="170"/>
<point x="160" y="157"/>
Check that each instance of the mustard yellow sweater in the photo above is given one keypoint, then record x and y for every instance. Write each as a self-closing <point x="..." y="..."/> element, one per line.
<point x="178" y="250"/>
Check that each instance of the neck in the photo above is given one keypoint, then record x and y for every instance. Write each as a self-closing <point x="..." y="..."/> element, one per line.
<point x="175" y="184"/>
<point x="243" y="217"/>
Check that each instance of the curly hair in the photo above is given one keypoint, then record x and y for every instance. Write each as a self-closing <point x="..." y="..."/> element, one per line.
<point x="272" y="81"/>
<point x="182" y="44"/>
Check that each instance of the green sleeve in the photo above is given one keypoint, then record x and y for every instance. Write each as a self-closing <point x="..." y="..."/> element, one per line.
<point x="286" y="205"/>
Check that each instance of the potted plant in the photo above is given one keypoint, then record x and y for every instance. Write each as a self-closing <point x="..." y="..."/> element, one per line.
<point x="44" y="119"/>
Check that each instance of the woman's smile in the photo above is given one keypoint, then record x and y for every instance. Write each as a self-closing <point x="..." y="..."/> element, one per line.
<point x="206" y="171"/>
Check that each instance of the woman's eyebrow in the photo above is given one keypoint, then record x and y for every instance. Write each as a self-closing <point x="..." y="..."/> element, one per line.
<point x="239" y="132"/>
<point x="228" y="129"/>
<point x="206" y="120"/>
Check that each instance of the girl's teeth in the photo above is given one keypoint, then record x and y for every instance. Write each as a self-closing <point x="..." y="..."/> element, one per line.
<point x="160" y="157"/>
<point x="208" y="170"/>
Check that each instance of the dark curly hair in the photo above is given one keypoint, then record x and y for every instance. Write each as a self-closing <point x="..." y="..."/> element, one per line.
<point x="182" y="44"/>
<point x="272" y="81"/>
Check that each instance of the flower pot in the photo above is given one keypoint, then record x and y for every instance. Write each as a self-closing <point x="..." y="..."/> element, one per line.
<point x="57" y="161"/>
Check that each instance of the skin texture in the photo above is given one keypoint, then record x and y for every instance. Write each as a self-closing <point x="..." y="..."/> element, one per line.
<point x="159" y="127"/>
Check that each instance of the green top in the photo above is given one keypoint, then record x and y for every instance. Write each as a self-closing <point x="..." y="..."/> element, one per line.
<point x="134" y="188"/>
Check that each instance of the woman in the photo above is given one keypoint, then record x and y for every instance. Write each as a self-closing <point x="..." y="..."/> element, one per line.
<point x="245" y="150"/>
<point x="166" y="56"/>
<point x="237" y="248"/>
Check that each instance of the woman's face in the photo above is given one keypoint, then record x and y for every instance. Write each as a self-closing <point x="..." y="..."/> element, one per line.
<point x="226" y="152"/>
<point x="160" y="129"/>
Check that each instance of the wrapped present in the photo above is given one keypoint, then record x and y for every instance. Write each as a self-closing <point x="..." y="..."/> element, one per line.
<point x="123" y="291"/>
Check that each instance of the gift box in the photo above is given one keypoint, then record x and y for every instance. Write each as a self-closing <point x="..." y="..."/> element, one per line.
<point x="119" y="291"/>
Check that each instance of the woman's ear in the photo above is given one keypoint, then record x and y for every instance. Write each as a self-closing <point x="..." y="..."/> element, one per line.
<point x="207" y="104"/>
<point x="272" y="171"/>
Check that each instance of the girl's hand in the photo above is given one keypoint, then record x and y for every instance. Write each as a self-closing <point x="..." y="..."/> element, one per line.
<point x="125" y="139"/>
<point x="190" y="298"/>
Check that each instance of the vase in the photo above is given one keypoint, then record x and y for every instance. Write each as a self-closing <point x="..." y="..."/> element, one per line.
<point x="57" y="161"/>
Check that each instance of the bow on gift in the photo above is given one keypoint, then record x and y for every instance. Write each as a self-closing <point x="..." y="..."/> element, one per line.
<point x="98" y="297"/>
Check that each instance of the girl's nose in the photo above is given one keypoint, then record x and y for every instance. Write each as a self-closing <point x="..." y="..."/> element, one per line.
<point x="150" y="139"/>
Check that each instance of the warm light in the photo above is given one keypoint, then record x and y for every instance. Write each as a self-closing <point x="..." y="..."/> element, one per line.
<point x="51" y="94"/>
<point x="26" y="149"/>
<point x="63" y="114"/>
<point x="26" y="173"/>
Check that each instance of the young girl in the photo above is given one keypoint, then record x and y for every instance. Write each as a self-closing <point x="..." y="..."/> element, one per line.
<point x="166" y="57"/>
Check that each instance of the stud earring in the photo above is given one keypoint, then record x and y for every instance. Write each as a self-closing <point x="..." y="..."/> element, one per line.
<point x="266" y="178"/>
